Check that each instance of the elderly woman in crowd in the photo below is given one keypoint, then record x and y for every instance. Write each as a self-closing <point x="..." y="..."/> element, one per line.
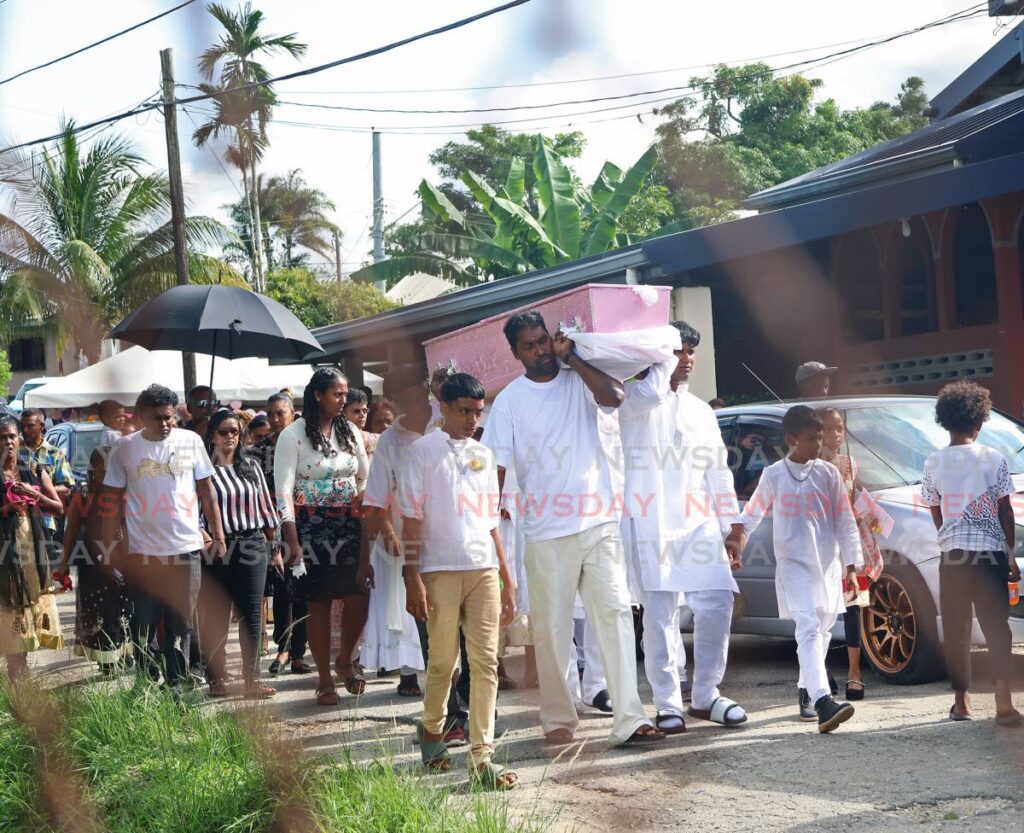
<point x="320" y="468"/>
<point x="28" y="611"/>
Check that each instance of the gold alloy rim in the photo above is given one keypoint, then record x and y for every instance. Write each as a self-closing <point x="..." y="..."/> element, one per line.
<point x="890" y="626"/>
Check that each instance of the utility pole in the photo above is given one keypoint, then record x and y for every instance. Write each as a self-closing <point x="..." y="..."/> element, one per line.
<point x="337" y="254"/>
<point x="188" y="360"/>
<point x="378" y="209"/>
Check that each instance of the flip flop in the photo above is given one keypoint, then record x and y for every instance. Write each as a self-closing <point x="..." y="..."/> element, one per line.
<point x="559" y="737"/>
<point x="956" y="716"/>
<point x="641" y="738"/>
<point x="490" y="776"/>
<point x="326" y="697"/>
<point x="433" y="753"/>
<point x="354" y="683"/>
<point x="719" y="712"/>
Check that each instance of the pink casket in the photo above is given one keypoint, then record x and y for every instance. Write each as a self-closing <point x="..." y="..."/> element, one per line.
<point x="482" y="351"/>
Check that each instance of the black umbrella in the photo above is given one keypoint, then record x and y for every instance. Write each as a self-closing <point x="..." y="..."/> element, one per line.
<point x="225" y="321"/>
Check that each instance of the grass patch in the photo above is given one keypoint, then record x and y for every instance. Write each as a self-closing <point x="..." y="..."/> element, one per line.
<point x="145" y="763"/>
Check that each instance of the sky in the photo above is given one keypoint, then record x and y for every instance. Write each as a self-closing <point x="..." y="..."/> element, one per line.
<point x="543" y="42"/>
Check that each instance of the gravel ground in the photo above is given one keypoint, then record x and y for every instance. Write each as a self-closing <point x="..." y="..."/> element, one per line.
<point x="898" y="765"/>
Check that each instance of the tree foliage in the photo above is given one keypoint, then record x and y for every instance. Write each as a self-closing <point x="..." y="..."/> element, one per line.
<point x="318" y="303"/>
<point x="522" y="228"/>
<point x="748" y="129"/>
<point x="88" y="238"/>
<point x="242" y="111"/>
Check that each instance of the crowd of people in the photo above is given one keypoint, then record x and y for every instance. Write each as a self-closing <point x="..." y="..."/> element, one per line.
<point x="415" y="533"/>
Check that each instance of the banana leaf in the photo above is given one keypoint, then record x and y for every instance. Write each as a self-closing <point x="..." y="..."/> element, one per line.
<point x="601" y="236"/>
<point x="481" y="249"/>
<point x="397" y="268"/>
<point x="604" y="186"/>
<point x="515" y="182"/>
<point x="435" y="200"/>
<point x="559" y="213"/>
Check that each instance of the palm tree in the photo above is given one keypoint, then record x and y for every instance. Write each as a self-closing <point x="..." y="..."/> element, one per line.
<point x="88" y="238"/>
<point x="298" y="214"/>
<point x="246" y="111"/>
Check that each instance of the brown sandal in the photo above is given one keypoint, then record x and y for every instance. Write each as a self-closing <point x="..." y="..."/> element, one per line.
<point x="326" y="697"/>
<point x="645" y="734"/>
<point x="218" y="688"/>
<point x="354" y="683"/>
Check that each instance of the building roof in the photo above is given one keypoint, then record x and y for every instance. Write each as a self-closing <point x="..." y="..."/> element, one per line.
<point x="998" y="72"/>
<point x="419" y="286"/>
<point x="987" y="131"/>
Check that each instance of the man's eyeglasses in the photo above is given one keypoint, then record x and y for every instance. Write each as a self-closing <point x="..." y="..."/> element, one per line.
<point x="205" y="403"/>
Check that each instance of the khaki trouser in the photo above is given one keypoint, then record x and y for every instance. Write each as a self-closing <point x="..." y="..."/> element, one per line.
<point x="471" y="598"/>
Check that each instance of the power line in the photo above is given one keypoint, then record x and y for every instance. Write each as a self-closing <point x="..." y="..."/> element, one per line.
<point x="97" y="43"/>
<point x="311" y="71"/>
<point x="596" y="99"/>
<point x="595" y="78"/>
<point x="370" y="53"/>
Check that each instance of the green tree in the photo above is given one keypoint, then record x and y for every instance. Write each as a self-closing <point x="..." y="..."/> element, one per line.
<point x="318" y="302"/>
<point x="562" y="221"/>
<point x="5" y="372"/>
<point x="243" y="112"/>
<point x="489" y="152"/>
<point x="748" y="129"/>
<point x="296" y="215"/>
<point x="88" y="239"/>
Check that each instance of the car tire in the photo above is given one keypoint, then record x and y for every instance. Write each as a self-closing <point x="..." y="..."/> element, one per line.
<point x="899" y="632"/>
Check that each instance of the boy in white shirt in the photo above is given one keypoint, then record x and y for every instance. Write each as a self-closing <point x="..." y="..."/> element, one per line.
<point x="812" y="518"/>
<point x="968" y="487"/>
<point x="455" y="572"/>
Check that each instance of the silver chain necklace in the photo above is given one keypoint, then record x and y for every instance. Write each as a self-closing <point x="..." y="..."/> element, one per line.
<point x="785" y="462"/>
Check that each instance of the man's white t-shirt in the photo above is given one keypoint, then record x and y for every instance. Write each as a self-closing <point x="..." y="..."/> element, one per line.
<point x="548" y="431"/>
<point x="159" y="479"/>
<point x="452" y="487"/>
<point x="967" y="482"/>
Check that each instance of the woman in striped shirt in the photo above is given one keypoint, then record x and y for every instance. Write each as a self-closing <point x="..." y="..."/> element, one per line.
<point x="249" y="519"/>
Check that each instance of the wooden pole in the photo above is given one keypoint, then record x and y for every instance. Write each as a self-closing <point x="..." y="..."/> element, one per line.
<point x="188" y="360"/>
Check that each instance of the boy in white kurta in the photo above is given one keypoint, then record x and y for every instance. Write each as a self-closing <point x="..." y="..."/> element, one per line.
<point x="455" y="571"/>
<point x="811" y="519"/>
<point x="684" y="533"/>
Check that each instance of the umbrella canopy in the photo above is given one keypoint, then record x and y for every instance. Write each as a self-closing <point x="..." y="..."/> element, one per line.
<point x="225" y="321"/>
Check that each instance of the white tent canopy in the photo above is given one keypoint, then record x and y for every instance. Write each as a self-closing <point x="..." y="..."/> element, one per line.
<point x="124" y="375"/>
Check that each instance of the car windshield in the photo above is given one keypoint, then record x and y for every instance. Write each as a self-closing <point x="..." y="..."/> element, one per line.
<point x="25" y="388"/>
<point x="86" y="442"/>
<point x="891" y="442"/>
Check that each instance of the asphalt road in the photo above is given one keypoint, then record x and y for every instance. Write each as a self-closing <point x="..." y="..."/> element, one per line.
<point x="898" y="765"/>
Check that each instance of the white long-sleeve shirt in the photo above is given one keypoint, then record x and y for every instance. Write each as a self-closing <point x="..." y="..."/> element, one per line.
<point x="679" y="490"/>
<point x="812" y="525"/>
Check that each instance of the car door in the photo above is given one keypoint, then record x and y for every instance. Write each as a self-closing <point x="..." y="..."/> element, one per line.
<point x="755" y="443"/>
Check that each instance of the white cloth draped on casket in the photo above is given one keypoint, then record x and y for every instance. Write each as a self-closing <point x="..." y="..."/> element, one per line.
<point x="623" y="355"/>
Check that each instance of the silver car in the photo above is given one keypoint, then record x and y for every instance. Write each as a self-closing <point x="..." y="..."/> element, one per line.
<point x="889" y="437"/>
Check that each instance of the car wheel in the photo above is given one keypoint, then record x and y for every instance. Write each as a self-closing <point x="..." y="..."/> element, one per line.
<point x="899" y="635"/>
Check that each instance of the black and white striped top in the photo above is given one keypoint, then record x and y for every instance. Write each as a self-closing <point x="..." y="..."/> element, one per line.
<point x="245" y="505"/>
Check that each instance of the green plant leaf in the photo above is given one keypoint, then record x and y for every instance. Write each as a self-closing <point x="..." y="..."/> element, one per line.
<point x="559" y="213"/>
<point x="515" y="182"/>
<point x="605" y="184"/>
<point x="478" y="248"/>
<point x="601" y="236"/>
<point x="435" y="200"/>
<point x="396" y="268"/>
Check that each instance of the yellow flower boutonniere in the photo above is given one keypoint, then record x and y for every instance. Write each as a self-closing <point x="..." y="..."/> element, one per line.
<point x="478" y="464"/>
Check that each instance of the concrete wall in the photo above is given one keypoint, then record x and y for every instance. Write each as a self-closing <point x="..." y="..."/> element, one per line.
<point x="692" y="304"/>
